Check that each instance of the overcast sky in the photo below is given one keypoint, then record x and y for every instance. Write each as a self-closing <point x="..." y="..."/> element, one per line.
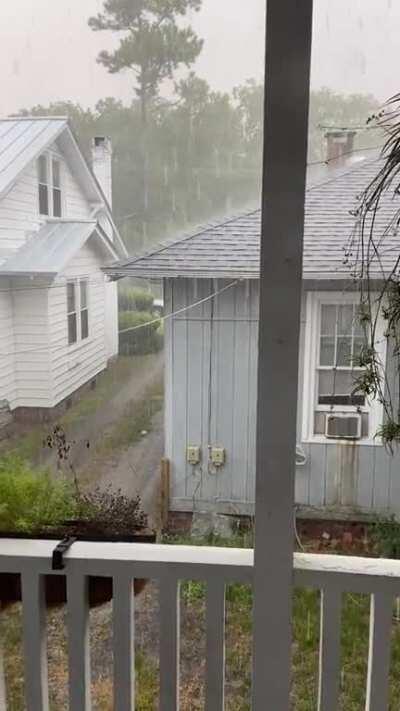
<point x="47" y="51"/>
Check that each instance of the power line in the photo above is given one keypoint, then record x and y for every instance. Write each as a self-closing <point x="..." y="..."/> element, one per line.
<point x="160" y="319"/>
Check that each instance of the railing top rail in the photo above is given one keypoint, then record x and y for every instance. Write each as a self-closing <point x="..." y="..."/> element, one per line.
<point x="343" y="564"/>
<point x="96" y="558"/>
<point x="141" y="552"/>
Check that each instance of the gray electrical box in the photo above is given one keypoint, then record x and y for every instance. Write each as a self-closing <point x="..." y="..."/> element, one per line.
<point x="218" y="456"/>
<point x="193" y="454"/>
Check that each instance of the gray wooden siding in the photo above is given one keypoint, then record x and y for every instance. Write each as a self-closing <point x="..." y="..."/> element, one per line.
<point x="211" y="387"/>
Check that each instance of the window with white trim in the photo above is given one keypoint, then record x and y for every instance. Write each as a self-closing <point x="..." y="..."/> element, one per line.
<point x="77" y="310"/>
<point x="49" y="170"/>
<point x="334" y="340"/>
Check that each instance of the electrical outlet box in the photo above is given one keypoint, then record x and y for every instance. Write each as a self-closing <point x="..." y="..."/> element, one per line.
<point x="218" y="456"/>
<point x="193" y="454"/>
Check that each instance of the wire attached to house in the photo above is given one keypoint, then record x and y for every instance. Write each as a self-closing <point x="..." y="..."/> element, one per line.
<point x="159" y="319"/>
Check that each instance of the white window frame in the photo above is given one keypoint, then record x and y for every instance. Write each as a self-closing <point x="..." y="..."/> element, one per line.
<point x="51" y="156"/>
<point x="76" y="281"/>
<point x="314" y="302"/>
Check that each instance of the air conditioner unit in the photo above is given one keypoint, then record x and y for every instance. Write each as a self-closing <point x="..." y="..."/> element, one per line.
<point x="343" y="426"/>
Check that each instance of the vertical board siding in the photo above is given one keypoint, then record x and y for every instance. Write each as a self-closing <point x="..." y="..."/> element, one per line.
<point x="218" y="339"/>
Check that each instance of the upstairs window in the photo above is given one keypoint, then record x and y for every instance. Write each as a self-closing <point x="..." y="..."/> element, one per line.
<point x="43" y="185"/>
<point x="77" y="310"/>
<point x="50" y="185"/>
<point x="56" y="175"/>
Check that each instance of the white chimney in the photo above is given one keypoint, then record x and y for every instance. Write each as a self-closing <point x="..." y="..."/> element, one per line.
<point x="102" y="164"/>
<point x="339" y="145"/>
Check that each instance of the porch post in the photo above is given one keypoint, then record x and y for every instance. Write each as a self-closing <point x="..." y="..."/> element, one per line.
<point x="288" y="50"/>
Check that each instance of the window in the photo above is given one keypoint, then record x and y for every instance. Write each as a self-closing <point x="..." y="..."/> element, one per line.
<point x="43" y="185"/>
<point x="71" y="312"/>
<point x="84" y="310"/>
<point x="77" y="310"/>
<point x="56" y="173"/>
<point x="334" y="339"/>
<point x="50" y="186"/>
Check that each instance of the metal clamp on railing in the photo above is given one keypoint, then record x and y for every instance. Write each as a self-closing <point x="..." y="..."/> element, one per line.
<point x="57" y="561"/>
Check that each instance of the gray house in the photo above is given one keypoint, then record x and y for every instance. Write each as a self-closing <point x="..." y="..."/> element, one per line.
<point x="211" y="286"/>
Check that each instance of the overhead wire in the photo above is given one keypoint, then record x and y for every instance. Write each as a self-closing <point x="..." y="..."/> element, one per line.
<point x="158" y="319"/>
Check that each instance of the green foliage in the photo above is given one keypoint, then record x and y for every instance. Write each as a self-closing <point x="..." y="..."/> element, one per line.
<point x="32" y="500"/>
<point x="142" y="340"/>
<point x="203" y="151"/>
<point x="386" y="535"/>
<point x="154" y="44"/>
<point x="135" y="299"/>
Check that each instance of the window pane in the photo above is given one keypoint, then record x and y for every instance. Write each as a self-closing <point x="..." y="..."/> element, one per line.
<point x="56" y="174"/>
<point x="84" y="302"/>
<point x="345" y="320"/>
<point x="359" y="343"/>
<point x="327" y="352"/>
<point x="43" y="200"/>
<point x="42" y="169"/>
<point x="70" y="297"/>
<point x="328" y="319"/>
<point x="72" y="333"/>
<point x="325" y="382"/>
<point x="84" y="324"/>
<point x="343" y="354"/>
<point x="358" y="328"/>
<point x="56" y="202"/>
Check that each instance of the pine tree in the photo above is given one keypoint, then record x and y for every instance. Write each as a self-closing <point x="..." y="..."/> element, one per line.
<point x="154" y="44"/>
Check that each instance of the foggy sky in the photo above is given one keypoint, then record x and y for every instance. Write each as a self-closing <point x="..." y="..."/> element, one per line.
<point x="48" y="53"/>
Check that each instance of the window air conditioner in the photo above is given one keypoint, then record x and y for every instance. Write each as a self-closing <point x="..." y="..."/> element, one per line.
<point x="343" y="426"/>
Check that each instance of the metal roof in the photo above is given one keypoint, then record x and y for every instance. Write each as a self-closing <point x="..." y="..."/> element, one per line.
<point x="231" y="249"/>
<point x="49" y="250"/>
<point x="21" y="141"/>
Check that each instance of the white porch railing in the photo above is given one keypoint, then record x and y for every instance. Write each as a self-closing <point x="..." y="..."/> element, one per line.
<point x="333" y="575"/>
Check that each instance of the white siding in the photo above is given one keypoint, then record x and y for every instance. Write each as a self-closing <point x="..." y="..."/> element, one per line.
<point x="219" y="338"/>
<point x="76" y="205"/>
<point x="7" y="372"/>
<point x="19" y="210"/>
<point x="31" y="340"/>
<point x="73" y="366"/>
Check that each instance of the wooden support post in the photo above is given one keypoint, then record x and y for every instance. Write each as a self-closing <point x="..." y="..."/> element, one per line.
<point x="164" y="492"/>
<point x="288" y="53"/>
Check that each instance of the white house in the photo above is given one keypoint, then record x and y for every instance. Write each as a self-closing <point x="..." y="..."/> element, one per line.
<point x="211" y="357"/>
<point x="58" y="312"/>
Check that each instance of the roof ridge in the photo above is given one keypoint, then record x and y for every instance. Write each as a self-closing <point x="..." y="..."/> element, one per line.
<point x="186" y="237"/>
<point x="346" y="173"/>
<point x="45" y="117"/>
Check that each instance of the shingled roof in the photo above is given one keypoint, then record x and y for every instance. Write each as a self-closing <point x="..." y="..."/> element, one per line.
<point x="231" y="248"/>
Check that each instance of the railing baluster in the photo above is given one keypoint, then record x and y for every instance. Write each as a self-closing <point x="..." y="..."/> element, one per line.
<point x="329" y="654"/>
<point x="35" y="645"/>
<point x="215" y="647"/>
<point x="78" y="641"/>
<point x="3" y="693"/>
<point x="124" y="655"/>
<point x="379" y="651"/>
<point x="169" y="645"/>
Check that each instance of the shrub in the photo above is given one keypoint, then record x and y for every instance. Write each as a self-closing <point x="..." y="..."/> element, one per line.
<point x="134" y="299"/>
<point x="144" y="340"/>
<point x="386" y="535"/>
<point x="32" y="500"/>
<point x="112" y="511"/>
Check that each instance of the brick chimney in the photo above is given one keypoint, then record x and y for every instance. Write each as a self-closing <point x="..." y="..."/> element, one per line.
<point x="102" y="164"/>
<point x="339" y="145"/>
